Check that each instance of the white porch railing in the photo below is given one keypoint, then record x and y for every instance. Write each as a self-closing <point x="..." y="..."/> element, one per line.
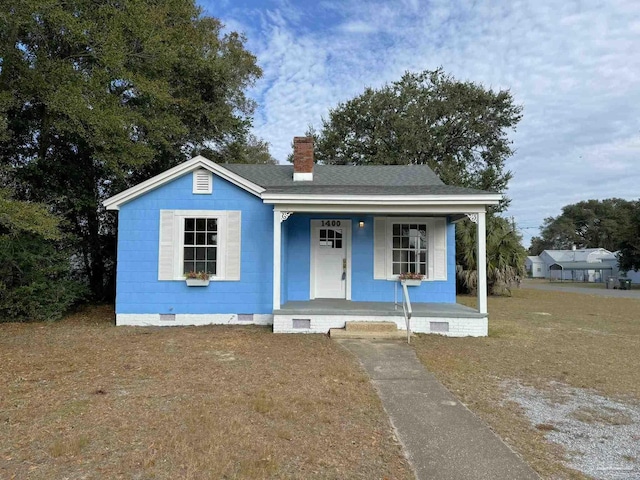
<point x="406" y="308"/>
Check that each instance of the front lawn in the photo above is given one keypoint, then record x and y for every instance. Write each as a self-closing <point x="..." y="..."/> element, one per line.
<point x="84" y="399"/>
<point x="560" y="345"/>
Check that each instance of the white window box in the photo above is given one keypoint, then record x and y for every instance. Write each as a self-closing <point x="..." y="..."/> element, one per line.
<point x="411" y="282"/>
<point x="197" y="282"/>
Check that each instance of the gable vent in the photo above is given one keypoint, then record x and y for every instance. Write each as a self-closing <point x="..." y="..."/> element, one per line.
<point x="202" y="181"/>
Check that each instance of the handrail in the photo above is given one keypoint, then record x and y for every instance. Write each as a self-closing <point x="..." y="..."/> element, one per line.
<point x="406" y="308"/>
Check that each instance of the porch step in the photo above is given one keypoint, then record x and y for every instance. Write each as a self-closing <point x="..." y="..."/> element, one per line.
<point x="371" y="326"/>
<point x="368" y="330"/>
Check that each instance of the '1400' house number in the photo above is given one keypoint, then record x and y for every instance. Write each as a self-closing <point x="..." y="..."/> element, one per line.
<point x="330" y="223"/>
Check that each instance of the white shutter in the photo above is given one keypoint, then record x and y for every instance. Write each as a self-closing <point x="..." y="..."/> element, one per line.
<point x="380" y="248"/>
<point x="439" y="249"/>
<point x="166" y="252"/>
<point x="202" y="181"/>
<point x="232" y="245"/>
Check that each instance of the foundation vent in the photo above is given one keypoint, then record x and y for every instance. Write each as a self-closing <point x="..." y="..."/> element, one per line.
<point x="301" y="323"/>
<point x="167" y="317"/>
<point x="439" y="327"/>
<point x="245" y="317"/>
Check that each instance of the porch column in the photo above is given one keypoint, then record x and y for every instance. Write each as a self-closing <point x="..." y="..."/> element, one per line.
<point x="482" y="262"/>
<point x="277" y="249"/>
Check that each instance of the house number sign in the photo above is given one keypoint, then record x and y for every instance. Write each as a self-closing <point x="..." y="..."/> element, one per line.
<point x="330" y="223"/>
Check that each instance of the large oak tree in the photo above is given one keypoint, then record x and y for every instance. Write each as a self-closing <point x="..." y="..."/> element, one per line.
<point x="97" y="96"/>
<point x="459" y="129"/>
<point x="587" y="224"/>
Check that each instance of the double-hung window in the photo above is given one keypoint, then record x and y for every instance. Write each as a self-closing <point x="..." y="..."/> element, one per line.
<point x="200" y="242"/>
<point x="410" y="248"/>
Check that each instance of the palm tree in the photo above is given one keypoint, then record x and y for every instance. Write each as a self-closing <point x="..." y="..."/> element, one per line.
<point x="505" y="256"/>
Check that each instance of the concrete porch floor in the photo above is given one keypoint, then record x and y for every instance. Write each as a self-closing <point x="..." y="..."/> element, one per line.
<point x="334" y="306"/>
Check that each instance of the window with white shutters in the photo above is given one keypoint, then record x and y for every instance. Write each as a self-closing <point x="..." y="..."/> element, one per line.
<point x="201" y="241"/>
<point x="410" y="244"/>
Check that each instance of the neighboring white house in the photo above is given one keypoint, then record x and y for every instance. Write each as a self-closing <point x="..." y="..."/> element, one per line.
<point x="535" y="266"/>
<point x="579" y="265"/>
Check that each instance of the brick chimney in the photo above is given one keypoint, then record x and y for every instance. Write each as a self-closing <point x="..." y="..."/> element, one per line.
<point x="302" y="159"/>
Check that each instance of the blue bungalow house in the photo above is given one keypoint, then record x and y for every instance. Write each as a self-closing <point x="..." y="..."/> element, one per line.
<point x="302" y="247"/>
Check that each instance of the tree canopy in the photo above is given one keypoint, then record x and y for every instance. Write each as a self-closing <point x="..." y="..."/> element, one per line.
<point x="587" y="224"/>
<point x="460" y="129"/>
<point x="629" y="256"/>
<point x="97" y="96"/>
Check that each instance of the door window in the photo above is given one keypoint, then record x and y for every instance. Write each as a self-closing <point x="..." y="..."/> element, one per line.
<point x="330" y="238"/>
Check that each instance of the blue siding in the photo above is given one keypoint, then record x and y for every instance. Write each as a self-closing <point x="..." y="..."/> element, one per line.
<point x="297" y="264"/>
<point x="138" y="288"/>
<point x="139" y="291"/>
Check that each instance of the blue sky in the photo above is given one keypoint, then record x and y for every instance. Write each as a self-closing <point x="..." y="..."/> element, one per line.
<point x="573" y="65"/>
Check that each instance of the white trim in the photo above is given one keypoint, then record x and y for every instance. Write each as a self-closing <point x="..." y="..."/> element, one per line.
<point x="114" y="203"/>
<point x="182" y="319"/>
<point x="277" y="257"/>
<point x="482" y="262"/>
<point x="302" y="176"/>
<point x="317" y="199"/>
<point x="380" y="209"/>
<point x="315" y="225"/>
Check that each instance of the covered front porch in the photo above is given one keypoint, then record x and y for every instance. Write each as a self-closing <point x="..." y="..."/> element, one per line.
<point x="320" y="315"/>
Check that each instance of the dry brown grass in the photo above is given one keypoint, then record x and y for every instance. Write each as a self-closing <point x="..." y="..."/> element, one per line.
<point x="538" y="337"/>
<point x="83" y="399"/>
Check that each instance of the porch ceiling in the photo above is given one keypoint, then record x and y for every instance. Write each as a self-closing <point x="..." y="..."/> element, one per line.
<point x="329" y="306"/>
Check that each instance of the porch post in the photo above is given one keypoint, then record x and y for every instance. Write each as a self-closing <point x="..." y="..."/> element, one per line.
<point x="482" y="262"/>
<point x="277" y="242"/>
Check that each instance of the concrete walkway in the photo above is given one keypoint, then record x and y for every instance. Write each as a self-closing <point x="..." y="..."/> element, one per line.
<point x="600" y="292"/>
<point x="441" y="437"/>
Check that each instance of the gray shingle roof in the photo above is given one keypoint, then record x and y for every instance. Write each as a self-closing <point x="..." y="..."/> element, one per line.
<point x="351" y="180"/>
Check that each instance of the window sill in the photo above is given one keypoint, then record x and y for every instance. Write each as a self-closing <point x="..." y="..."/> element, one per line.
<point x="196" y="282"/>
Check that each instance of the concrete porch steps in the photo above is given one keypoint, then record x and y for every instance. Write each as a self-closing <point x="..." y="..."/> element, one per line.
<point x="368" y="330"/>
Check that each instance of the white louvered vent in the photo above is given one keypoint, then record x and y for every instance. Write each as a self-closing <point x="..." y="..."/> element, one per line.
<point x="202" y="181"/>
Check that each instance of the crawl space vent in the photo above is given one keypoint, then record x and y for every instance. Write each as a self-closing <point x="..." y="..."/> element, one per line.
<point x="301" y="323"/>
<point x="167" y="317"/>
<point x="439" y="327"/>
<point x="245" y="317"/>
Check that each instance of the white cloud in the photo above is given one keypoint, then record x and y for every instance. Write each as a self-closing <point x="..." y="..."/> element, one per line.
<point x="572" y="64"/>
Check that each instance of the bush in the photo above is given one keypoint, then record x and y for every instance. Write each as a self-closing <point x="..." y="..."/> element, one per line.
<point x="35" y="279"/>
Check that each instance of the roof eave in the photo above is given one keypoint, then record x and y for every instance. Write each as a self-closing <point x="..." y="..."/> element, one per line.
<point x="418" y="200"/>
<point x="114" y="202"/>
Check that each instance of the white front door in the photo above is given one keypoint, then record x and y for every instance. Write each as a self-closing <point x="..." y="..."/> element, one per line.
<point x="330" y="260"/>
